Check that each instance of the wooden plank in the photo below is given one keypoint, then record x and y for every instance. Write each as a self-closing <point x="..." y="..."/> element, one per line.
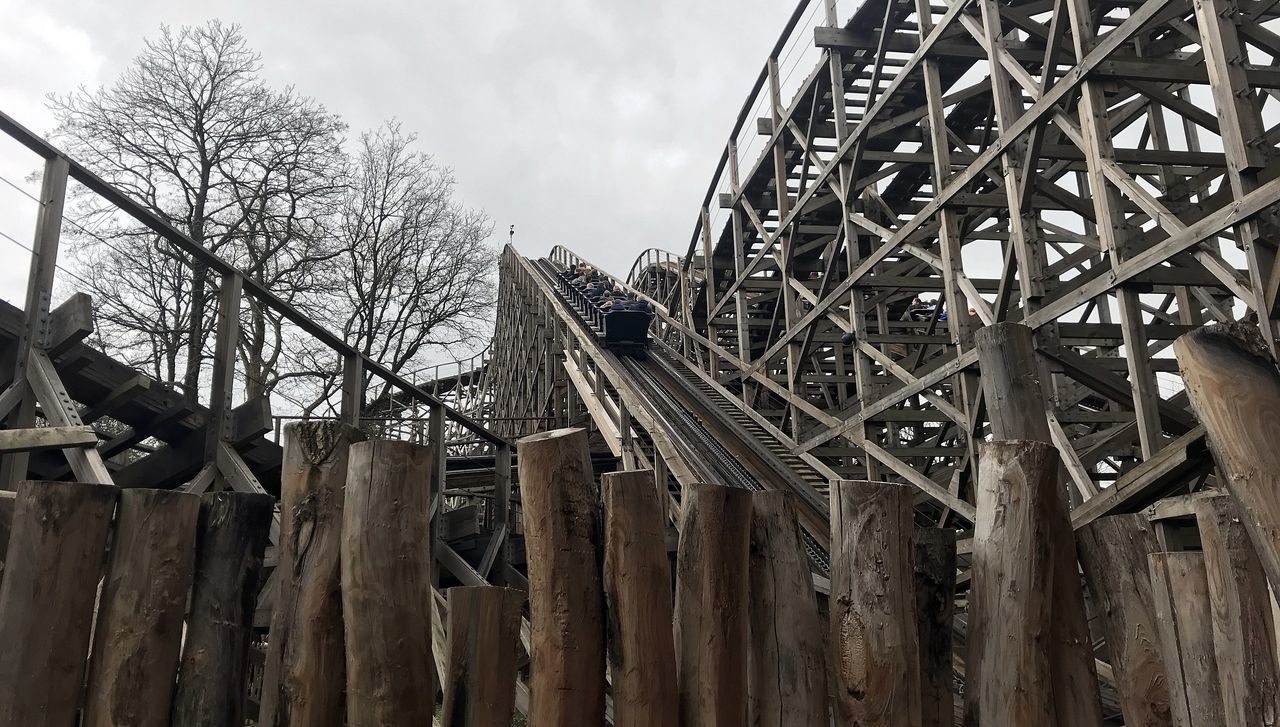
<point x="386" y="584"/>
<point x="480" y="675"/>
<point x="138" y="637"/>
<point x="1181" y="591"/>
<point x="55" y="553"/>
<point x="874" y="647"/>
<point x="935" y="588"/>
<point x="43" y="438"/>
<point x="637" y="584"/>
<point x="566" y="597"/>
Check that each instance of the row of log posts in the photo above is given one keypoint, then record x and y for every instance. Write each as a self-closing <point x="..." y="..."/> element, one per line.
<point x="164" y="544"/>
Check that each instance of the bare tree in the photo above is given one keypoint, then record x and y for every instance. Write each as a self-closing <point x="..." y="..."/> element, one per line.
<point x="250" y="172"/>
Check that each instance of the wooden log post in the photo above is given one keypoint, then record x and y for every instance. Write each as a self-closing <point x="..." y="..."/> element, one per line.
<point x="874" y="643"/>
<point x="1243" y="628"/>
<point x="788" y="665"/>
<point x="56" y="554"/>
<point x="1015" y="402"/>
<point x="935" y="583"/>
<point x="230" y="540"/>
<point x="480" y="675"/>
<point x="304" y="678"/>
<point x="386" y="584"/>
<point x="1010" y="599"/>
<point x="1234" y="388"/>
<point x="637" y="585"/>
<point x="566" y="592"/>
<point x="7" y="499"/>
<point x="138" y="637"/>
<point x="711" y="626"/>
<point x="1181" y="591"/>
<point x="1114" y="553"/>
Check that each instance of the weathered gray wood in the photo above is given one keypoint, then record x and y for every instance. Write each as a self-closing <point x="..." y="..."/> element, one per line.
<point x="7" y="500"/>
<point x="1243" y="629"/>
<point x="935" y="587"/>
<point x="480" y="680"/>
<point x="138" y="636"/>
<point x="874" y="646"/>
<point x="1234" y="387"/>
<point x="42" y="438"/>
<point x="1181" y="592"/>
<point x="386" y="584"/>
<point x="304" y="677"/>
<point x="637" y="585"/>
<point x="788" y="666"/>
<point x="230" y="539"/>
<point x="566" y="595"/>
<point x="1011" y="382"/>
<point x="711" y="615"/>
<point x="56" y="554"/>
<point x="1114" y="552"/>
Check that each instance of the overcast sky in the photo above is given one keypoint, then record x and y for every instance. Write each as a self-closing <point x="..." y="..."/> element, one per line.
<point x="593" y="124"/>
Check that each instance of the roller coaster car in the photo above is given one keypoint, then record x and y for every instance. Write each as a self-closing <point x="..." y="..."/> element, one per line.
<point x="626" y="332"/>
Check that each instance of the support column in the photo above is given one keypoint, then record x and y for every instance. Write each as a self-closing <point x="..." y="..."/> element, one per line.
<point x="480" y="676"/>
<point x="935" y="581"/>
<point x="1181" y="591"/>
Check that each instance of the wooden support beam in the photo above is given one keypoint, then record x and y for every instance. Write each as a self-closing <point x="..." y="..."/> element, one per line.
<point x="386" y="584"/>
<point x="874" y="648"/>
<point x="304" y="676"/>
<point x="1113" y="551"/>
<point x="138" y="637"/>
<point x="788" y="668"/>
<point x="935" y="587"/>
<point x="47" y="597"/>
<point x="637" y="584"/>
<point x="230" y="540"/>
<point x="1181" y="591"/>
<point x="566" y="598"/>
<point x="7" y="499"/>
<point x="43" y="438"/>
<point x="480" y="675"/>
<point x="711" y="614"/>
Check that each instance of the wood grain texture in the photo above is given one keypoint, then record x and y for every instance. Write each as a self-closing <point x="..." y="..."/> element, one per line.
<point x="480" y="675"/>
<point x="1181" y="591"/>
<point x="1240" y="603"/>
<point x="566" y="592"/>
<point x="711" y="627"/>
<point x="56" y="556"/>
<point x="138" y="637"/>
<point x="1234" y="388"/>
<point x="386" y="584"/>
<point x="7" y="500"/>
<point x="874" y="645"/>
<point x="788" y="671"/>
<point x="304" y="678"/>
<point x="230" y="539"/>
<point x="637" y="584"/>
<point x="935" y="588"/>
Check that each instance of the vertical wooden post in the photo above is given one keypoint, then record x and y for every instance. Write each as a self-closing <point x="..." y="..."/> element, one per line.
<point x="1240" y="609"/>
<point x="711" y="627"/>
<point x="138" y="637"/>
<point x="497" y="570"/>
<point x="637" y="584"/>
<point x="788" y="666"/>
<point x="386" y="584"/>
<point x="935" y="579"/>
<point x="304" y="677"/>
<point x="1181" y="591"/>
<point x="1010" y="599"/>
<point x="480" y="678"/>
<point x="874" y="644"/>
<point x="46" y="601"/>
<point x="1114" y="553"/>
<point x="7" y="499"/>
<point x="1234" y="388"/>
<point x="352" y="402"/>
<point x="230" y="539"/>
<point x="1015" y="401"/>
<point x="566" y="597"/>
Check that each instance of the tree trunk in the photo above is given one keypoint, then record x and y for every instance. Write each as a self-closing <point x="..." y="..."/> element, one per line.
<point x="56" y="553"/>
<point x="788" y="666"/>
<point x="566" y="596"/>
<point x="935" y="581"/>
<point x="230" y="539"/>
<point x="386" y="584"/>
<point x="711" y="626"/>
<point x="304" y="679"/>
<point x="138" y="636"/>
<point x="1181" y="592"/>
<point x="873" y="626"/>
<point x="637" y="583"/>
<point x="480" y="681"/>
